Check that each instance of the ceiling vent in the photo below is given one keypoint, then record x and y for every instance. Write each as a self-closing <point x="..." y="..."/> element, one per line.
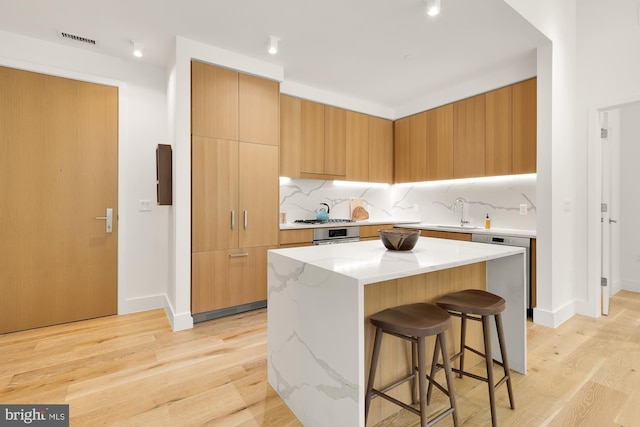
<point x="68" y="36"/>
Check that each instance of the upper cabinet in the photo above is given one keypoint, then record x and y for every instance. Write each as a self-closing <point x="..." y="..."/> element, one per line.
<point x="311" y="138"/>
<point x="380" y="150"/>
<point x="357" y="147"/>
<point x="230" y="105"/>
<point x="440" y="143"/>
<point x="319" y="141"/>
<point x="525" y="126"/>
<point x="498" y="144"/>
<point x="290" y="136"/>
<point x="259" y="113"/>
<point x="493" y="133"/>
<point x="335" y="141"/>
<point x="410" y="147"/>
<point x="214" y="100"/>
<point x="469" y="137"/>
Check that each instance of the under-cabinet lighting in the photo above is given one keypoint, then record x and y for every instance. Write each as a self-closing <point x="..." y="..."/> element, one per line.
<point x="469" y="181"/>
<point x="284" y="180"/>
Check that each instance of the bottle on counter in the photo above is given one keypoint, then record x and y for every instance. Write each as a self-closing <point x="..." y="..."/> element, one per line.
<point x="487" y="222"/>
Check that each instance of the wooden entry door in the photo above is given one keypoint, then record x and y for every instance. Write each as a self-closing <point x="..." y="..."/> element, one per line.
<point x="58" y="172"/>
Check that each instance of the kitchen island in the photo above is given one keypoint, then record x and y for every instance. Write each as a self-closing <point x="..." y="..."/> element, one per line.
<point x="319" y="300"/>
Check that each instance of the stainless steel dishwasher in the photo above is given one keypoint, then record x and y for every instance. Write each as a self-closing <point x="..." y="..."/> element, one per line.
<point x="521" y="242"/>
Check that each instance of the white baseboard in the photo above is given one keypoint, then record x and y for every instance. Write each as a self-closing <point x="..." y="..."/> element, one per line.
<point x="553" y="319"/>
<point x="631" y="285"/>
<point x="135" y="305"/>
<point x="179" y="321"/>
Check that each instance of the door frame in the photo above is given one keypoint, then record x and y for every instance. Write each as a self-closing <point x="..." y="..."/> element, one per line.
<point x="594" y="199"/>
<point x="122" y="141"/>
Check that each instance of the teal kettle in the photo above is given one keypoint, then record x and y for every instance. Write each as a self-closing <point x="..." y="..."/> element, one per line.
<point x="322" y="214"/>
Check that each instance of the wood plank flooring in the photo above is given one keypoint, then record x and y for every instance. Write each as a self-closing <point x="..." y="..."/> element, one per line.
<point x="132" y="370"/>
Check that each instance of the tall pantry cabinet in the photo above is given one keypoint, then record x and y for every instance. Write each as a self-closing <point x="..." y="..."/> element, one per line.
<point x="234" y="186"/>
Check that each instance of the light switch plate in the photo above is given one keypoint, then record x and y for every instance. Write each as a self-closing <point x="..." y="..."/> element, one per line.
<point x="523" y="209"/>
<point x="144" y="205"/>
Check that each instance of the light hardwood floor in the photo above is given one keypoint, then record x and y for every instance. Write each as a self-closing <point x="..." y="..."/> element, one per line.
<point x="132" y="370"/>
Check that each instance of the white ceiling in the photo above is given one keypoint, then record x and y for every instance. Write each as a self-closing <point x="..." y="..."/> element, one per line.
<point x="386" y="52"/>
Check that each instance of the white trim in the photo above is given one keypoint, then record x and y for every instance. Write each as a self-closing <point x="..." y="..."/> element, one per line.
<point x="555" y="318"/>
<point x="592" y="307"/>
<point x="135" y="305"/>
<point x="179" y="321"/>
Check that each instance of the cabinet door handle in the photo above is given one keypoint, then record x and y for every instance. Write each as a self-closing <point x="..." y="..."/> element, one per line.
<point x="238" y="255"/>
<point x="246" y="219"/>
<point x="233" y="219"/>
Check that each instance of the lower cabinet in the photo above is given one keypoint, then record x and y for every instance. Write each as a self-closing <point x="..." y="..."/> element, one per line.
<point x="451" y="235"/>
<point x="370" y="232"/>
<point x="228" y="278"/>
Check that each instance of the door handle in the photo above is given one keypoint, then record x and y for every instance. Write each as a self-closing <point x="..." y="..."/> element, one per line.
<point x="108" y="228"/>
<point x="612" y="221"/>
<point x="246" y="219"/>
<point x="233" y="219"/>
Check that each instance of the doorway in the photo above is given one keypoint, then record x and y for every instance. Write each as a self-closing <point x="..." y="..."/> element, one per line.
<point x="613" y="177"/>
<point x="58" y="169"/>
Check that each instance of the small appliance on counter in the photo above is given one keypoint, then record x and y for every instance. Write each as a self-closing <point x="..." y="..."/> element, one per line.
<point x="322" y="214"/>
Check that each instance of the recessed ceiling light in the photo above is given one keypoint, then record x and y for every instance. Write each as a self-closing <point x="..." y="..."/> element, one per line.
<point x="433" y="7"/>
<point x="138" y="49"/>
<point x="273" y="45"/>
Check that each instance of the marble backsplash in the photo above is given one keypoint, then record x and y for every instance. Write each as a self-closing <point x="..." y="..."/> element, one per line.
<point x="429" y="202"/>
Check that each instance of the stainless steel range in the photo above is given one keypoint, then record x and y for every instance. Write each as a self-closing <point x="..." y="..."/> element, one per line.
<point x="330" y="235"/>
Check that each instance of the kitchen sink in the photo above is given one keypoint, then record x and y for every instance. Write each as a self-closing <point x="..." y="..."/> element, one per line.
<point x="459" y="227"/>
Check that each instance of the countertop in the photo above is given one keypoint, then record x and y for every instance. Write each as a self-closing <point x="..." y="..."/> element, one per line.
<point x="475" y="230"/>
<point x="416" y="224"/>
<point x="370" y="262"/>
<point x="298" y="226"/>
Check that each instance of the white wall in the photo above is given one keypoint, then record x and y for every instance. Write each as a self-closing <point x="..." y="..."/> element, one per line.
<point x="630" y="198"/>
<point x="608" y="69"/>
<point x="143" y="258"/>
<point x="556" y="145"/>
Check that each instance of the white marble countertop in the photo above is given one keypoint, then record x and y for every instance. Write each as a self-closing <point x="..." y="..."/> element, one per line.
<point x="370" y="262"/>
<point x="298" y="226"/>
<point x="476" y="230"/>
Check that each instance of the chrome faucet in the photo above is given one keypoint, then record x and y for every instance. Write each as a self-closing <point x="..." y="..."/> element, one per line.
<point x="460" y="201"/>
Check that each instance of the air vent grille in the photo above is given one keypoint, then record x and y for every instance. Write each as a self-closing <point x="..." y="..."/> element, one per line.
<point x="74" y="37"/>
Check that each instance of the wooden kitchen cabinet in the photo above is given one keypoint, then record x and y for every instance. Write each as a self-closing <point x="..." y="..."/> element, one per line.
<point x="294" y="238"/>
<point x="311" y="137"/>
<point x="228" y="278"/>
<point x="370" y="232"/>
<point x="214" y="100"/>
<point x="451" y="235"/>
<point x="498" y="145"/>
<point x="234" y="194"/>
<point x="234" y="186"/>
<point x="440" y="143"/>
<point x="259" y="112"/>
<point x="357" y="147"/>
<point x="214" y="194"/>
<point x="335" y="141"/>
<point x="469" y="137"/>
<point x="290" y="136"/>
<point x="410" y="151"/>
<point x="525" y="126"/>
<point x="533" y="276"/>
<point x="380" y="150"/>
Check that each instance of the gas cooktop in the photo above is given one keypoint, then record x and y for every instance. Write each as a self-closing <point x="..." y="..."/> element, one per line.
<point x="320" y="221"/>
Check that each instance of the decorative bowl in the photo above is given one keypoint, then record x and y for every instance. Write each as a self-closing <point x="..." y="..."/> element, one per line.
<point x="399" y="239"/>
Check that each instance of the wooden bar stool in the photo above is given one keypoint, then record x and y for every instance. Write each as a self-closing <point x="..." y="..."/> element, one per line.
<point x="474" y="304"/>
<point x="414" y="322"/>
